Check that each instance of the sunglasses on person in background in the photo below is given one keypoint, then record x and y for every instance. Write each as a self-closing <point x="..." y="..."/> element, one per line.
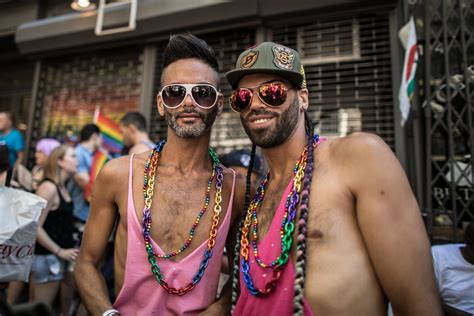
<point x="204" y="95"/>
<point x="272" y="94"/>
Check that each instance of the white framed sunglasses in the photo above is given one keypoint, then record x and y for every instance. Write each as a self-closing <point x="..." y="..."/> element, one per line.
<point x="204" y="95"/>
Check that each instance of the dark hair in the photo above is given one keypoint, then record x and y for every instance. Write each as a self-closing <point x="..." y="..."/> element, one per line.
<point x="300" y="267"/>
<point x="134" y="118"/>
<point x="87" y="131"/>
<point x="183" y="46"/>
<point x="4" y="159"/>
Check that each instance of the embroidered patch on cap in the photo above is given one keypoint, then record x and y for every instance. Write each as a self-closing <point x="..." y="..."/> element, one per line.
<point x="249" y="59"/>
<point x="283" y="57"/>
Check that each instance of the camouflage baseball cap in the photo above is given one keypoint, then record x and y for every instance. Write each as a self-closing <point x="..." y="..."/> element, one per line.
<point x="269" y="58"/>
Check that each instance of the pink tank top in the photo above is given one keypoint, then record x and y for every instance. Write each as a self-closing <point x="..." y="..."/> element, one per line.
<point x="142" y="295"/>
<point x="280" y="301"/>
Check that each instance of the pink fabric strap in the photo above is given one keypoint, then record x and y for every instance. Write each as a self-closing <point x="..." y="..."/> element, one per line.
<point x="142" y="295"/>
<point x="280" y="301"/>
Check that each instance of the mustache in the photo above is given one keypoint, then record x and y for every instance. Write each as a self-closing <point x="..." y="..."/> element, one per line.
<point x="188" y="111"/>
<point x="260" y="112"/>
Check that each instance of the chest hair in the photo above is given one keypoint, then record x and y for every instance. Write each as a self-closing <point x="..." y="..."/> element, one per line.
<point x="176" y="203"/>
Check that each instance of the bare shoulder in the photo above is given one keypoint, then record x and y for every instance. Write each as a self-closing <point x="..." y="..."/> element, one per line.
<point x="139" y="148"/>
<point x="359" y="158"/>
<point x="115" y="169"/>
<point x="111" y="181"/>
<point x="357" y="145"/>
<point x="357" y="150"/>
<point x="140" y="159"/>
<point x="46" y="189"/>
<point x="239" y="178"/>
<point x="239" y="189"/>
<point x="239" y="186"/>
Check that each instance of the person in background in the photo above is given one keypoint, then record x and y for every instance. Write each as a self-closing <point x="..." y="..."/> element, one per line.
<point x="44" y="147"/>
<point x="454" y="270"/>
<point x="13" y="139"/>
<point x="90" y="140"/>
<point x="134" y="131"/>
<point x="55" y="244"/>
<point x="6" y="309"/>
<point x="4" y="163"/>
<point x="239" y="160"/>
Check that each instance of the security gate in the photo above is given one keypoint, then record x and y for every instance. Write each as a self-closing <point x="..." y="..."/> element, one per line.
<point x="448" y="109"/>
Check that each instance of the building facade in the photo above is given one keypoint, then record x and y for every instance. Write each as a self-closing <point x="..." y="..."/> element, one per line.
<point x="353" y="59"/>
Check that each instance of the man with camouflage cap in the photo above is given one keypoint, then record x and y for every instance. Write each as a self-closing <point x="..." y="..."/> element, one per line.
<point x="334" y="228"/>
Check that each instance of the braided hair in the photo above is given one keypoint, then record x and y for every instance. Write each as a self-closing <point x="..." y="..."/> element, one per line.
<point x="235" y="270"/>
<point x="302" y="226"/>
<point x="303" y="223"/>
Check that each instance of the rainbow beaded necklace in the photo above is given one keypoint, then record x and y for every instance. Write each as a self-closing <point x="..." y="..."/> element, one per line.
<point x="286" y="229"/>
<point x="148" y="189"/>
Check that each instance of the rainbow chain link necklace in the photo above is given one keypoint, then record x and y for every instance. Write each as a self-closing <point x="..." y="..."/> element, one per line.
<point x="148" y="189"/>
<point x="286" y="229"/>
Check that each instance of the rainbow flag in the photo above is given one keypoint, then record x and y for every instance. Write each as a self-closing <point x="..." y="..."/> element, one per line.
<point x="98" y="161"/>
<point x="112" y="139"/>
<point x="408" y="84"/>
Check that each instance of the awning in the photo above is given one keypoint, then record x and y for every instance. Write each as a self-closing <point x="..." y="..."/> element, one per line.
<point x="155" y="18"/>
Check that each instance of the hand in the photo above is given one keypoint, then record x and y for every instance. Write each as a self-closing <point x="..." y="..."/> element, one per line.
<point x="68" y="254"/>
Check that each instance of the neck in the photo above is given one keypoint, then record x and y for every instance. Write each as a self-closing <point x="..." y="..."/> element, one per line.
<point x="61" y="178"/>
<point x="282" y="158"/>
<point x="186" y="154"/>
<point x="88" y="144"/>
<point x="140" y="137"/>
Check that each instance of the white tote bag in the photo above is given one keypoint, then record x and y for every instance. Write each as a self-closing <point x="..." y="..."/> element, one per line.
<point x="19" y="214"/>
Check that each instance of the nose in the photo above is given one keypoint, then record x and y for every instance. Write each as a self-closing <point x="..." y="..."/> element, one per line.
<point x="256" y="103"/>
<point x="188" y="101"/>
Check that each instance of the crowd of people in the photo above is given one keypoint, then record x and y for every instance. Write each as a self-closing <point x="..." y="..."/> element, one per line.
<point x="320" y="227"/>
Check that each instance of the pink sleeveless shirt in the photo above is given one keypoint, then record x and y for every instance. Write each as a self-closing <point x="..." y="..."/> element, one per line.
<point x="280" y="301"/>
<point x="142" y="295"/>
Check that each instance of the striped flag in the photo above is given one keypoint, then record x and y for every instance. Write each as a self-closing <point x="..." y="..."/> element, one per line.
<point x="98" y="161"/>
<point x="408" y="84"/>
<point x="112" y="139"/>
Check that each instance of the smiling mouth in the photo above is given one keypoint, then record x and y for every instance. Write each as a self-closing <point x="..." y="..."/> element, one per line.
<point x="261" y="121"/>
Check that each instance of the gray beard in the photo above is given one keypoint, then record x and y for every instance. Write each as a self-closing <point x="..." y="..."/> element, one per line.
<point x="191" y="131"/>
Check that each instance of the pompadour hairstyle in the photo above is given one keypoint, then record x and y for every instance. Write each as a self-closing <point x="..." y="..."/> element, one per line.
<point x="183" y="46"/>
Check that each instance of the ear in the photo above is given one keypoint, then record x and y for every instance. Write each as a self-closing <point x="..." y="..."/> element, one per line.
<point x="160" y="106"/>
<point x="303" y="97"/>
<point x="220" y="104"/>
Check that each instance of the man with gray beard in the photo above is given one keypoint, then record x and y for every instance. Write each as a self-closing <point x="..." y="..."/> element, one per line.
<point x="170" y="266"/>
